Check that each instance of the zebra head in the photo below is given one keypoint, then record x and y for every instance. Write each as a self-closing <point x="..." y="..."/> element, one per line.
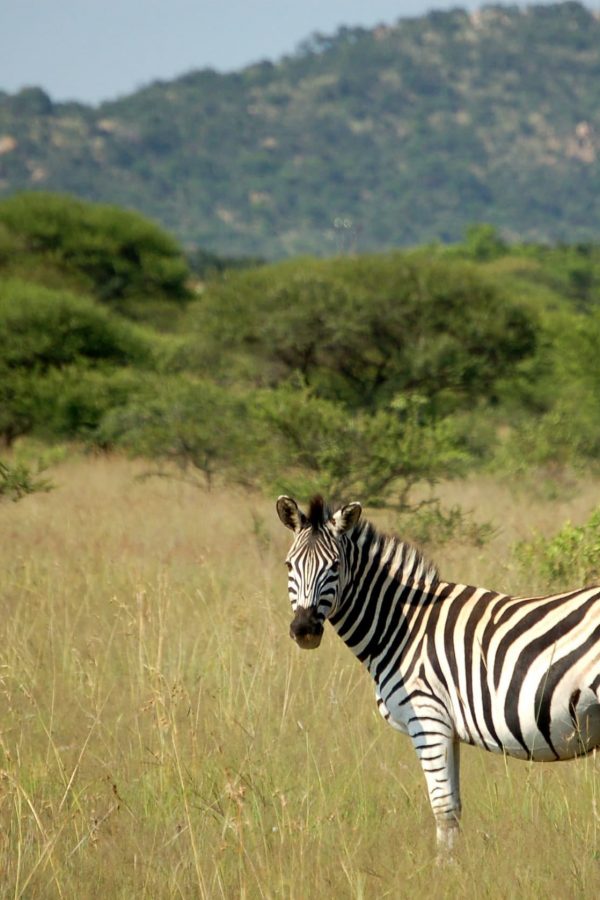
<point x="316" y="563"/>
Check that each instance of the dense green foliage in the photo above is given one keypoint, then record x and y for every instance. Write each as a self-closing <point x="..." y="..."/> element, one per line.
<point x="365" y="139"/>
<point x="317" y="445"/>
<point x="373" y="376"/>
<point x="198" y="425"/>
<point x="57" y="346"/>
<point x="569" y="558"/>
<point x="117" y="256"/>
<point x="47" y="328"/>
<point x="18" y="480"/>
<point x="362" y="330"/>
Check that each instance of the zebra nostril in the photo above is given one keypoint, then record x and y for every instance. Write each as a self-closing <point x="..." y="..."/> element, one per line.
<point x="302" y="628"/>
<point x="305" y="624"/>
<point x="306" y="632"/>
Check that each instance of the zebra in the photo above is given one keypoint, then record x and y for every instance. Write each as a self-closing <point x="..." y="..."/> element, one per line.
<point x="451" y="663"/>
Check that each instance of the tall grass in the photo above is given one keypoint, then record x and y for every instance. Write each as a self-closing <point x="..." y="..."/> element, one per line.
<point x="161" y="736"/>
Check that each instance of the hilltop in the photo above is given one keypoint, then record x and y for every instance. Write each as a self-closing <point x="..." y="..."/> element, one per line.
<point x="365" y="139"/>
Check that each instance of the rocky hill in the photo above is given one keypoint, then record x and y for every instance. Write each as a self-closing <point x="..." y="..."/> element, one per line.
<point x="363" y="139"/>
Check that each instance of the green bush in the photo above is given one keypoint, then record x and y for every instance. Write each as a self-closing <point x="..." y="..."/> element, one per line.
<point x="285" y="439"/>
<point x="9" y="246"/>
<point x="482" y="242"/>
<point x="118" y="255"/>
<point x="17" y="480"/>
<point x="66" y="403"/>
<point x="52" y="343"/>
<point x="22" y="402"/>
<point x="42" y="328"/>
<point x="431" y="523"/>
<point x="196" y="425"/>
<point x="378" y="458"/>
<point x="567" y="560"/>
<point x="565" y="438"/>
<point x="364" y="330"/>
<point x="78" y="399"/>
<point x="554" y="402"/>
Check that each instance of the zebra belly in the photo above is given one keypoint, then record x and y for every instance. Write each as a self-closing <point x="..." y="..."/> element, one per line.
<point x="575" y="731"/>
<point x="545" y="706"/>
<point x="583" y="736"/>
<point x="572" y="730"/>
<point x="570" y="736"/>
<point x="568" y="728"/>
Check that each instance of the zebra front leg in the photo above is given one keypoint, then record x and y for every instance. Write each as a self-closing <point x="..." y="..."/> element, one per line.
<point x="439" y="754"/>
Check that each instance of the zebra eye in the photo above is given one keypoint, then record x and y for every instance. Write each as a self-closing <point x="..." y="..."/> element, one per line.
<point x="288" y="565"/>
<point x="335" y="565"/>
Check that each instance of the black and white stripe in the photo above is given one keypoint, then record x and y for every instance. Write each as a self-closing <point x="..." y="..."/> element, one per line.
<point x="451" y="663"/>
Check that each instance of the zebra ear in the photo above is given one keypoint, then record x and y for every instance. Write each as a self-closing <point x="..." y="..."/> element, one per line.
<point x="346" y="518"/>
<point x="290" y="515"/>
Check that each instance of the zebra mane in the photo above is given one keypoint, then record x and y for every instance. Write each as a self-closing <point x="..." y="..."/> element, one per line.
<point x="400" y="557"/>
<point x="318" y="512"/>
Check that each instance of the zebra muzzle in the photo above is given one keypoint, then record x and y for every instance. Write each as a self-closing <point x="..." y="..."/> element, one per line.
<point x="306" y="629"/>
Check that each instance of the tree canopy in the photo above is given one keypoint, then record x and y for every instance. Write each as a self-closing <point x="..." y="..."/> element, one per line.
<point x="365" y="329"/>
<point x="114" y="254"/>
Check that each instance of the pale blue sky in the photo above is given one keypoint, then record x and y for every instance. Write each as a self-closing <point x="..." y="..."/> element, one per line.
<point x="93" y="50"/>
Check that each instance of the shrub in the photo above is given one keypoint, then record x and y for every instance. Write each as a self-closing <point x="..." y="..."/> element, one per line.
<point x="118" y="254"/>
<point x="364" y="330"/>
<point x="378" y="458"/>
<point x="78" y="399"/>
<point x="196" y="425"/>
<point x="431" y="523"/>
<point x="17" y="480"/>
<point x="483" y="242"/>
<point x="21" y="403"/>
<point x="42" y="328"/>
<point x="51" y="343"/>
<point x="570" y="558"/>
<point x="286" y="439"/>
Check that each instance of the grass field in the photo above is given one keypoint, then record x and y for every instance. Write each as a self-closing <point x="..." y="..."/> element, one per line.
<point x="161" y="736"/>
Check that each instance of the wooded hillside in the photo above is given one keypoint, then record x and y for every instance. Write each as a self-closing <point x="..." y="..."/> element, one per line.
<point x="366" y="139"/>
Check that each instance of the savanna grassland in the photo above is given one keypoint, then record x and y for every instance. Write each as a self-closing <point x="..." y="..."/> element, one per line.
<point x="161" y="736"/>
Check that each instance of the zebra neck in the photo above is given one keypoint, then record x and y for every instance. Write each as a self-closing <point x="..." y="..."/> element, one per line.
<point x="388" y="581"/>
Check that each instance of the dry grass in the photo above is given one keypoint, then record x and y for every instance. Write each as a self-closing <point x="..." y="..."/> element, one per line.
<point x="160" y="736"/>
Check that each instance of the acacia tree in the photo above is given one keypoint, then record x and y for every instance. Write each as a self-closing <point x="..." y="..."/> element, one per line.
<point x="114" y="254"/>
<point x="196" y="425"/>
<point x="45" y="335"/>
<point x="318" y="445"/>
<point x="365" y="330"/>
